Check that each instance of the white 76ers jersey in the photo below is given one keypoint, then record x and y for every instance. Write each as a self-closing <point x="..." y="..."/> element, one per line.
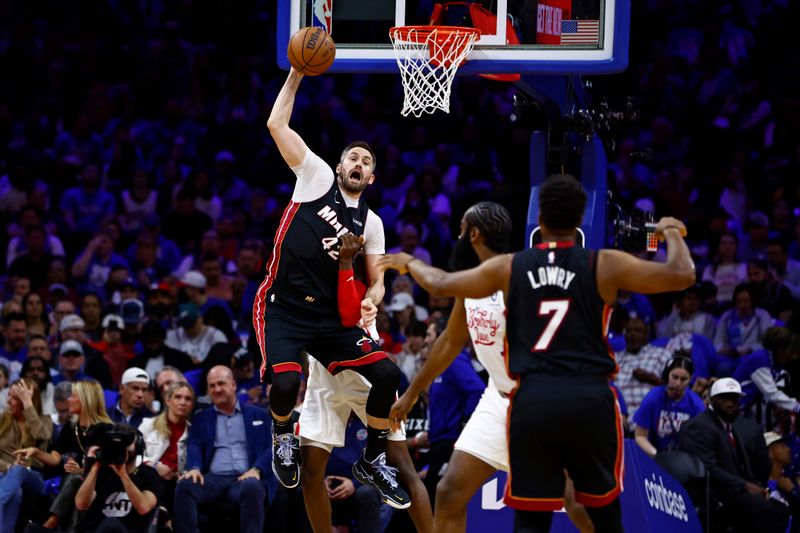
<point x="486" y="321"/>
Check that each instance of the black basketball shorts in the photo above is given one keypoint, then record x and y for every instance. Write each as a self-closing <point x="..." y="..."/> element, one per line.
<point x="335" y="346"/>
<point x="559" y="423"/>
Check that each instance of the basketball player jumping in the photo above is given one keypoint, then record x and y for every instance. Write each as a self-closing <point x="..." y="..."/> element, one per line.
<point x="295" y="308"/>
<point x="329" y="399"/>
<point x="558" y="299"/>
<point x="482" y="447"/>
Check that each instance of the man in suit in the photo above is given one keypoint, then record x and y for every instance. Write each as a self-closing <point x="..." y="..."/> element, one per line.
<point x="735" y="454"/>
<point x="229" y="458"/>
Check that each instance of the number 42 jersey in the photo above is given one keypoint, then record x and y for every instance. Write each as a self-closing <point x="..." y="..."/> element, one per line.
<point x="557" y="321"/>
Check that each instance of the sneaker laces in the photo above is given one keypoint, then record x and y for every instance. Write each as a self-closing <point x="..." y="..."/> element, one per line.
<point x="286" y="448"/>
<point x="388" y="473"/>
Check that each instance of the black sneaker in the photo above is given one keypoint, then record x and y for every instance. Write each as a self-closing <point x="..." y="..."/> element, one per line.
<point x="286" y="459"/>
<point x="384" y="478"/>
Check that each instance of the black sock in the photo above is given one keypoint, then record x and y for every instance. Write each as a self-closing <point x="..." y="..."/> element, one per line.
<point x="376" y="442"/>
<point x="533" y="521"/>
<point x="281" y="427"/>
<point x="608" y="518"/>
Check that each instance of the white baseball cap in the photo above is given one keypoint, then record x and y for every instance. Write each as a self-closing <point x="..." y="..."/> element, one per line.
<point x="726" y="386"/>
<point x="135" y="375"/>
<point x="112" y="321"/>
<point x="195" y="279"/>
<point x="771" y="438"/>
<point x="400" y="301"/>
<point x="70" y="346"/>
<point x="71" y="321"/>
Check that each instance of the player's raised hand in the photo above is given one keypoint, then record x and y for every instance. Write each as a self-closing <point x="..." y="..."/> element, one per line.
<point x="669" y="222"/>
<point x="399" y="412"/>
<point x="349" y="245"/>
<point x="397" y="262"/>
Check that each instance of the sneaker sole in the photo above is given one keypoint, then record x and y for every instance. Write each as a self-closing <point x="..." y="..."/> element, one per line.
<point x="388" y="501"/>
<point x="275" y="472"/>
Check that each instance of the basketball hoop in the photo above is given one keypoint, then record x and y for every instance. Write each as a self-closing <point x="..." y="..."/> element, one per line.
<point x="428" y="57"/>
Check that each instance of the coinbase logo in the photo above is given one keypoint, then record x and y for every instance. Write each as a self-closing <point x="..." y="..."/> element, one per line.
<point x="667" y="501"/>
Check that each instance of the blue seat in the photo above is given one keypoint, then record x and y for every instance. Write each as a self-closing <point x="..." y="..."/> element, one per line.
<point x="110" y="398"/>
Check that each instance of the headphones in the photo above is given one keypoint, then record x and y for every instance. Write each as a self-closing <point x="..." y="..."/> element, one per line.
<point x="678" y="361"/>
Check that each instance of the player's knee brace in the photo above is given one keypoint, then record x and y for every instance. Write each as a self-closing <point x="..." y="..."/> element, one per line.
<point x="283" y="394"/>
<point x="384" y="376"/>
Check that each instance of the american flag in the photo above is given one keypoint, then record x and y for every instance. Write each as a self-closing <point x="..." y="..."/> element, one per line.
<point x="580" y="31"/>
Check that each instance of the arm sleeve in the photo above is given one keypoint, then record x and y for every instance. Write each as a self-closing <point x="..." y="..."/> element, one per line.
<point x="348" y="299"/>
<point x="762" y="378"/>
<point x="314" y="178"/>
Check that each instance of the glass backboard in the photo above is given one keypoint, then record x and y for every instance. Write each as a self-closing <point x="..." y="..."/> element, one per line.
<point x="518" y="36"/>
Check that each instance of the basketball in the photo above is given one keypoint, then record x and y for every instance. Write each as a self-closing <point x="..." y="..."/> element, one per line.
<point x="311" y="51"/>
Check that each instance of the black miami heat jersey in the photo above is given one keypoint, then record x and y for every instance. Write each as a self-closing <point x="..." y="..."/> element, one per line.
<point x="557" y="321"/>
<point x="305" y="259"/>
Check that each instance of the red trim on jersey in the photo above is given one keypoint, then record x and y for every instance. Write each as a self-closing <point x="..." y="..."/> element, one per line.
<point x="550" y="245"/>
<point x="519" y="502"/>
<point x="260" y="303"/>
<point x="601" y="500"/>
<point x="280" y="368"/>
<point x="338" y="366"/>
<point x="607" y="312"/>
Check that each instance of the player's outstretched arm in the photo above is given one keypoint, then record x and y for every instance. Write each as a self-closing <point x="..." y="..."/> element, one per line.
<point x="444" y="350"/>
<point x="484" y="280"/>
<point x="290" y="144"/>
<point x="619" y="270"/>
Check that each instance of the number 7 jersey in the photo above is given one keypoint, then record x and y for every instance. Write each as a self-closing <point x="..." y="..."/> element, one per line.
<point x="557" y="321"/>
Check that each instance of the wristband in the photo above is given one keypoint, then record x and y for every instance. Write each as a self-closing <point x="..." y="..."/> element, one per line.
<point x="671" y="226"/>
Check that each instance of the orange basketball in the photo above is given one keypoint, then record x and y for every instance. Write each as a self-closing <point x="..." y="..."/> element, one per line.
<point x="311" y="51"/>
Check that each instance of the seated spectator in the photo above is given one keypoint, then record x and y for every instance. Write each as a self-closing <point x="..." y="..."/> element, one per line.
<point x="735" y="455"/>
<point x="85" y="208"/>
<point x="130" y="408"/>
<point x="665" y="408"/>
<point x="410" y="244"/>
<point x="165" y="378"/>
<point x="61" y="395"/>
<point x="61" y="309"/>
<point x="4" y="379"/>
<point x="765" y="382"/>
<point x="755" y="236"/>
<point x="71" y="360"/>
<point x="160" y="304"/>
<point x="404" y="283"/>
<point x="781" y="487"/>
<point x="194" y="285"/>
<point x="36" y="369"/>
<point x="192" y="336"/>
<point x="114" y="352"/>
<point x="94" y="264"/>
<point x="250" y="388"/>
<point x="166" y="435"/>
<point x="229" y="458"/>
<point x="350" y="500"/>
<point x="768" y="293"/>
<point x="410" y="359"/>
<point x="87" y="408"/>
<point x="118" y="497"/>
<point x="786" y="271"/>
<point x="34" y="263"/>
<point x="725" y="272"/>
<point x="94" y="365"/>
<point x="640" y="365"/>
<point x="153" y="354"/>
<point x="218" y="283"/>
<point x="36" y="322"/>
<point x="92" y="314"/>
<point x="633" y="304"/>
<point x="686" y="316"/>
<point x="22" y="425"/>
<point x="14" y="347"/>
<point x="739" y="331"/>
<point x="697" y="348"/>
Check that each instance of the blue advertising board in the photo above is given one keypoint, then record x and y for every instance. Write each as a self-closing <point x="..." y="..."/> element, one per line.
<point x="652" y="501"/>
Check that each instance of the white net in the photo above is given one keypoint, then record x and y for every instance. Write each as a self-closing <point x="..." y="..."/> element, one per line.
<point x="428" y="57"/>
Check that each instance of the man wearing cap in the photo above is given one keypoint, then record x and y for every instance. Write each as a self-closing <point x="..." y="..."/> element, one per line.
<point x="93" y="266"/>
<point x="70" y="363"/>
<point x="735" y="455"/>
<point x="111" y="347"/>
<point x="192" y="336"/>
<point x="130" y="408"/>
<point x="154" y="354"/>
<point x="73" y="328"/>
<point x="781" y="486"/>
<point x="194" y="284"/>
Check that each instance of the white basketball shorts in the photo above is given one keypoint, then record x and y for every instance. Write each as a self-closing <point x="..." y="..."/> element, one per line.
<point x="485" y="435"/>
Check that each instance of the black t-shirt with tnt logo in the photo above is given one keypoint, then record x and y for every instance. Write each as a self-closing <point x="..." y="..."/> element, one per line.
<point x="113" y="502"/>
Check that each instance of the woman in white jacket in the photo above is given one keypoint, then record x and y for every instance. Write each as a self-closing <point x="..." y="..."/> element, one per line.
<point x="166" y="436"/>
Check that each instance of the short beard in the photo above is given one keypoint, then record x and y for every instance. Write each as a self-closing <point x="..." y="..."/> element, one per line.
<point x="347" y="187"/>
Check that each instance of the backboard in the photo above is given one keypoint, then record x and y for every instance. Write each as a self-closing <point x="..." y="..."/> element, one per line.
<point x="518" y="36"/>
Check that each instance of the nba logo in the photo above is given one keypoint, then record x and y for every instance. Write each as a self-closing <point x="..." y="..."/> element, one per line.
<point x="323" y="14"/>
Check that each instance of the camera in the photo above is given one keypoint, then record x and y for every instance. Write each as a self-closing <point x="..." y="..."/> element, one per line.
<point x="113" y="441"/>
<point x="634" y="232"/>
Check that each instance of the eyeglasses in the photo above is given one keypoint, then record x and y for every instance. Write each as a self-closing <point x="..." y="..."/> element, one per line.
<point x="72" y="354"/>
